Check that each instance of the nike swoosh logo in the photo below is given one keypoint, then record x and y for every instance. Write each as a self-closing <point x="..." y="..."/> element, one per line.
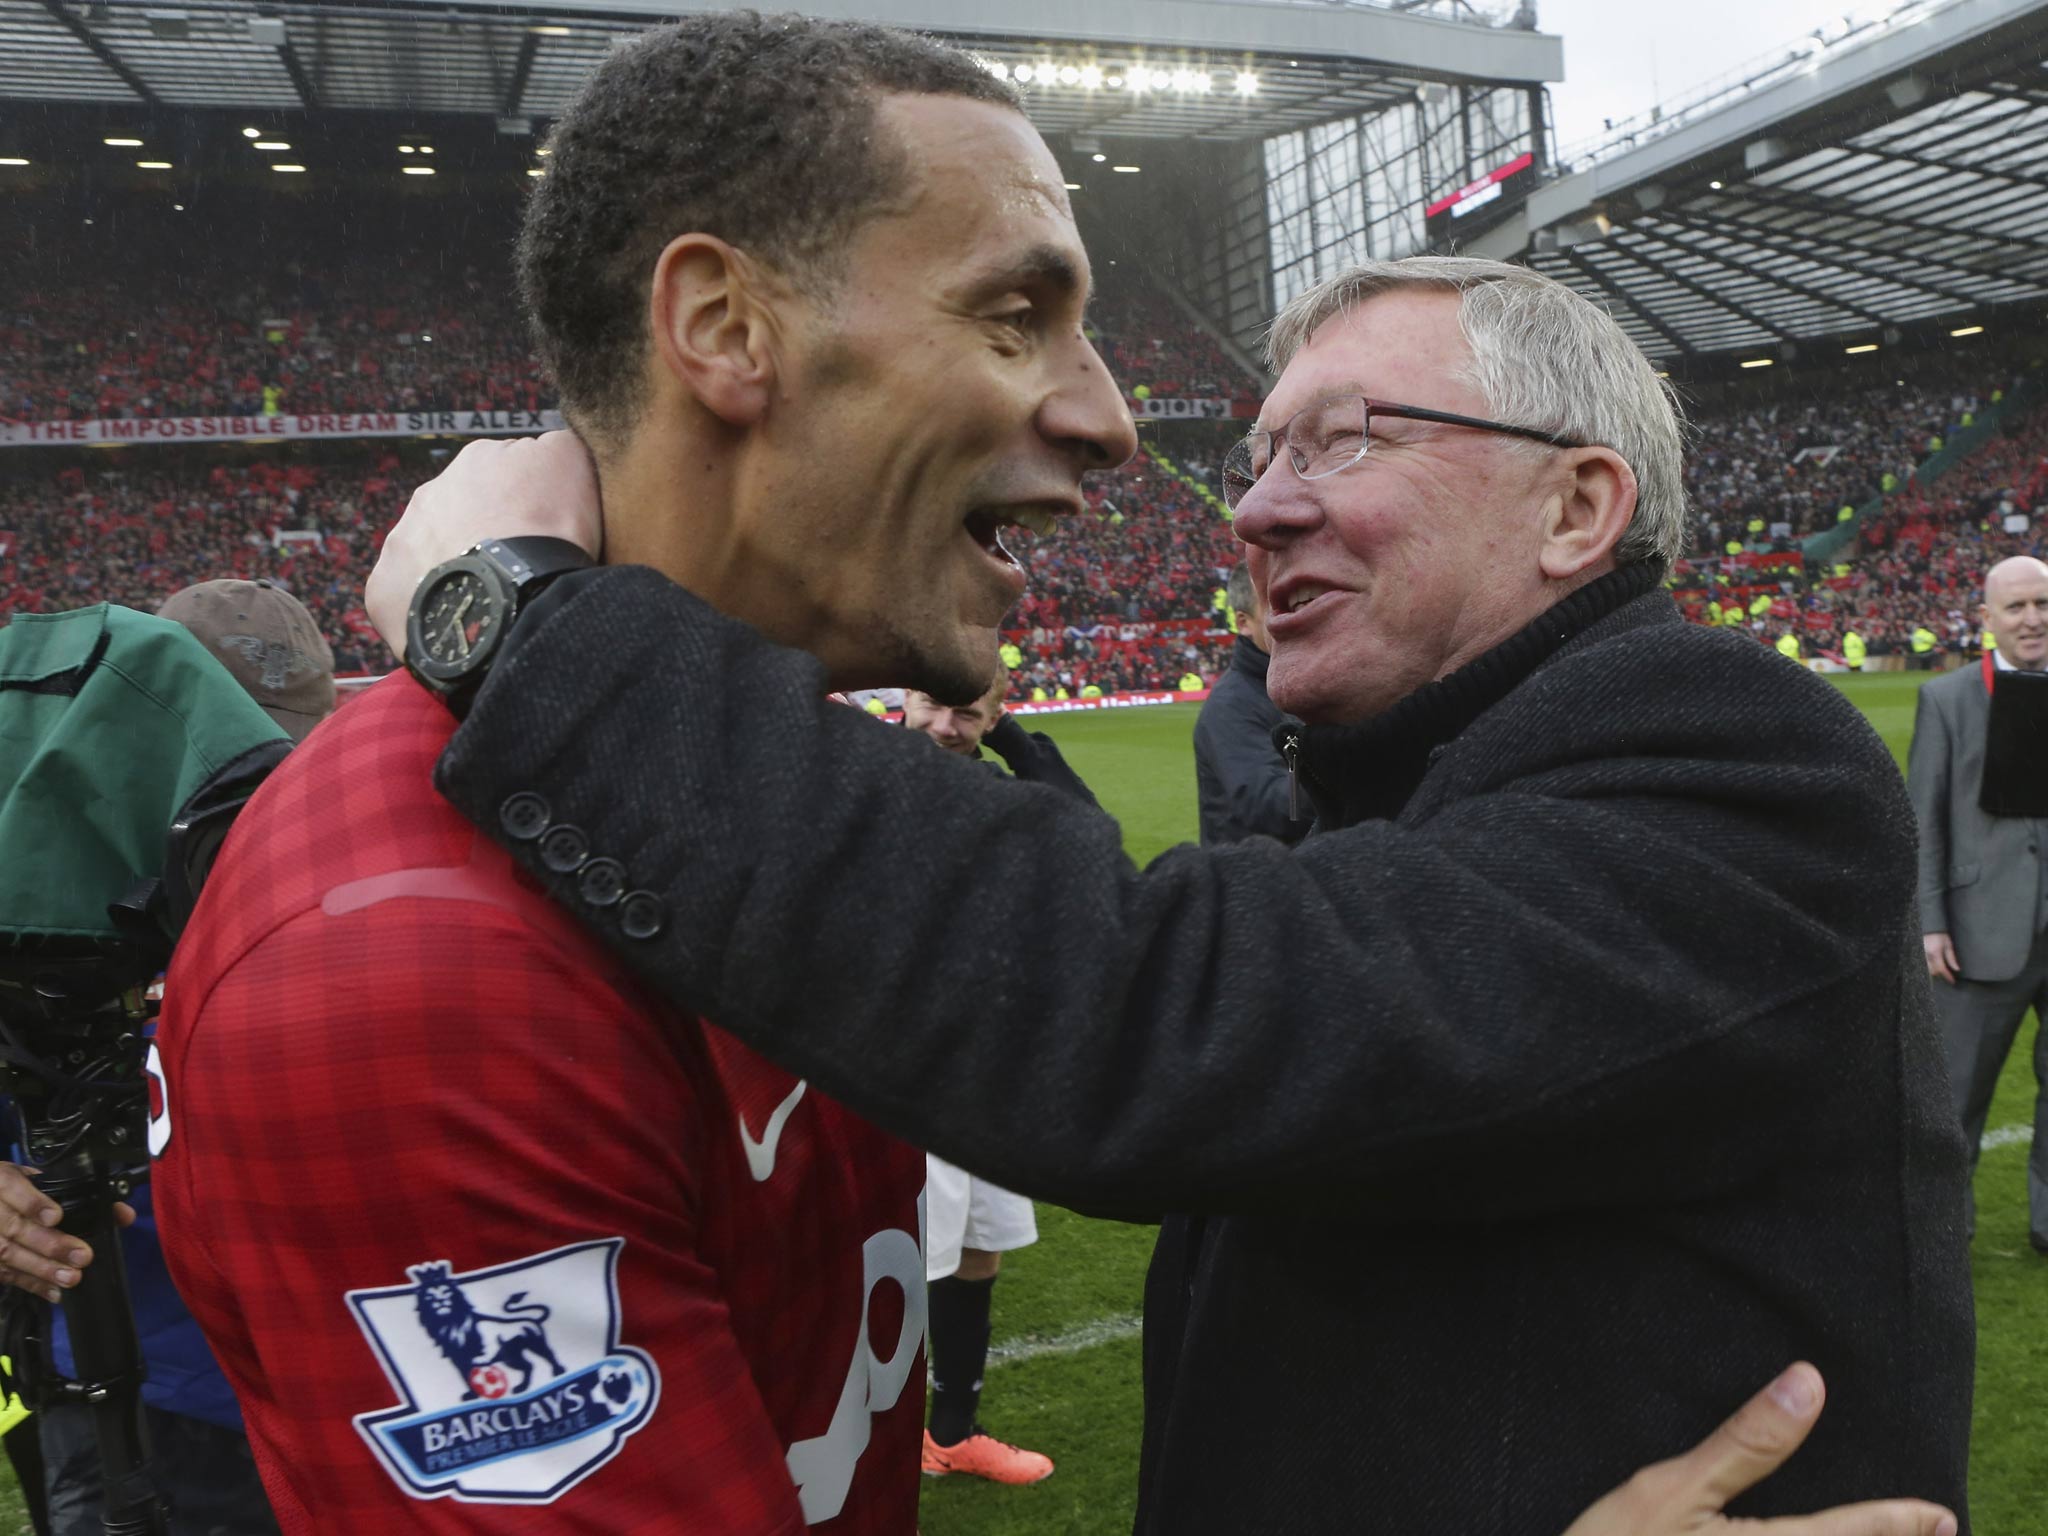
<point x="761" y="1154"/>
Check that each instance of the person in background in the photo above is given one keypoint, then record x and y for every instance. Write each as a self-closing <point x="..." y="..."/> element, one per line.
<point x="1241" y="782"/>
<point x="970" y="1223"/>
<point x="269" y="643"/>
<point x="1980" y="793"/>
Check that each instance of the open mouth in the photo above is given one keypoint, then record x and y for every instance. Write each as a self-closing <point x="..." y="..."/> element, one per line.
<point x="1301" y="597"/>
<point x="1296" y="605"/>
<point x="985" y="525"/>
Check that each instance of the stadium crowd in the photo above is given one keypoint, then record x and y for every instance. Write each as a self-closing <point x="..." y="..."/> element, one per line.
<point x="1150" y="345"/>
<point x="1915" y="567"/>
<point x="1786" y="469"/>
<point x="135" y="528"/>
<point x="1123" y="597"/>
<point x="134" y="535"/>
<point x="414" y="328"/>
<point x="296" y="341"/>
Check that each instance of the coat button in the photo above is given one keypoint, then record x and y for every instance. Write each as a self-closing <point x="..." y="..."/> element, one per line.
<point x="602" y="882"/>
<point x="564" y="849"/>
<point x="642" y="915"/>
<point x="524" y="816"/>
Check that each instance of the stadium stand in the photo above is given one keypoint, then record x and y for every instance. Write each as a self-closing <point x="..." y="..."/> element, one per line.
<point x="1920" y="551"/>
<point x="1150" y="345"/>
<point x="1122" y="598"/>
<point x="136" y="530"/>
<point x="409" y="325"/>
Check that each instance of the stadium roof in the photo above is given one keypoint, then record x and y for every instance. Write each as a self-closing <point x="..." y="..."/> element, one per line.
<point x="1894" y="179"/>
<point x="1217" y="69"/>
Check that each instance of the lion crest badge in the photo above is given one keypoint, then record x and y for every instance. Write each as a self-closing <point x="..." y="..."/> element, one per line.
<point x="513" y="1386"/>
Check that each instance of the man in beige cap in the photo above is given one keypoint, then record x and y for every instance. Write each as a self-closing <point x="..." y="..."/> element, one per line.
<point x="263" y="635"/>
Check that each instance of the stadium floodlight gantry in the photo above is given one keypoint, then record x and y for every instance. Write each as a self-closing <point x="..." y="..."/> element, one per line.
<point x="1240" y="148"/>
<point x="1880" y="180"/>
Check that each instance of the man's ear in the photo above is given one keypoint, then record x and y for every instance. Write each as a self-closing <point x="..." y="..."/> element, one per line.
<point x="714" y="324"/>
<point x="1589" y="514"/>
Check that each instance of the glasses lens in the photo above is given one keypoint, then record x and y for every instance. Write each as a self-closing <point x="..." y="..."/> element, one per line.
<point x="1240" y="471"/>
<point x="1328" y="437"/>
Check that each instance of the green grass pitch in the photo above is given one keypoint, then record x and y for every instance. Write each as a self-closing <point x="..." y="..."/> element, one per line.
<point x="1064" y="1377"/>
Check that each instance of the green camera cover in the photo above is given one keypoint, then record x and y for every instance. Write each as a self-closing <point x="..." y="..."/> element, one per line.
<point x="111" y="722"/>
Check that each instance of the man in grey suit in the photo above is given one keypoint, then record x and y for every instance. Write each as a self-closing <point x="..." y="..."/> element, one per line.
<point x="1983" y="898"/>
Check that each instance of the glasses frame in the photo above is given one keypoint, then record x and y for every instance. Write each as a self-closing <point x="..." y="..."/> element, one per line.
<point x="1296" y="459"/>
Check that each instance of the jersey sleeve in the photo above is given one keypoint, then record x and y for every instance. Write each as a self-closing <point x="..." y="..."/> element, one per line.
<point x="429" y="1188"/>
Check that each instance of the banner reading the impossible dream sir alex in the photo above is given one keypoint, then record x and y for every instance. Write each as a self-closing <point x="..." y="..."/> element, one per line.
<point x="243" y="429"/>
<point x="264" y="428"/>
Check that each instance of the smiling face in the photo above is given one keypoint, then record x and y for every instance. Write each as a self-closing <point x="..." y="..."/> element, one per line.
<point x="1420" y="557"/>
<point x="957" y="728"/>
<point x="941" y="389"/>
<point x="2016" y="611"/>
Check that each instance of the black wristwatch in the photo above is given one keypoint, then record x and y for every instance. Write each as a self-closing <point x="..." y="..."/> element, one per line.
<point x="461" y="610"/>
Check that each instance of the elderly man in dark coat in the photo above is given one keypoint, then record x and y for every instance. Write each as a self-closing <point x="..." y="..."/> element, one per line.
<point x="1575" y="1074"/>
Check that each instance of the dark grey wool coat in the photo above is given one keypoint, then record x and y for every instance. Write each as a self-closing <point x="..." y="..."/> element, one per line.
<point x="1574" y="1078"/>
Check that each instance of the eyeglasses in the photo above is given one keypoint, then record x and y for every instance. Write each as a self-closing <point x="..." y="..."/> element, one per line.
<point x="1333" y="435"/>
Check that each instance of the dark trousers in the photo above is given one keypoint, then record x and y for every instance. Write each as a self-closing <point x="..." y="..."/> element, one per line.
<point x="204" y="1472"/>
<point x="1980" y="1020"/>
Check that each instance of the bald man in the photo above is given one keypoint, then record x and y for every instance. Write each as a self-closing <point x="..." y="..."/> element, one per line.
<point x="1979" y="784"/>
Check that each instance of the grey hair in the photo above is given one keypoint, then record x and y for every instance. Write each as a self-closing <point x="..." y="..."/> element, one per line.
<point x="1543" y="357"/>
<point x="1244" y="597"/>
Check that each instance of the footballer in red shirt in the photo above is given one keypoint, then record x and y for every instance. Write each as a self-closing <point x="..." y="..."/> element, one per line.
<point x="484" y="1237"/>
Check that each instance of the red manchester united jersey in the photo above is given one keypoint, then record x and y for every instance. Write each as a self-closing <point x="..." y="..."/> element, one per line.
<point x="485" y="1237"/>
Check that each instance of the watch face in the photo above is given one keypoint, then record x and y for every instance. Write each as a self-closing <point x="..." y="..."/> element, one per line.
<point x="456" y="616"/>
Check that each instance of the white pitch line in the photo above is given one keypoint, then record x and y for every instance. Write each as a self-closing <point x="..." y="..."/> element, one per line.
<point x="1104" y="1330"/>
<point x="2007" y="1136"/>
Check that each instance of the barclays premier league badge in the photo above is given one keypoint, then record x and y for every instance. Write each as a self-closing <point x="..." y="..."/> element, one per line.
<point x="513" y="1384"/>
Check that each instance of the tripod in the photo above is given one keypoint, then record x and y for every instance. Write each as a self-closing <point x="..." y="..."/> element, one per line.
<point x="72" y="1044"/>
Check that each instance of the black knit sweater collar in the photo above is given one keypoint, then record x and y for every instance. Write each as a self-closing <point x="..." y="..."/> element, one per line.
<point x="1368" y="769"/>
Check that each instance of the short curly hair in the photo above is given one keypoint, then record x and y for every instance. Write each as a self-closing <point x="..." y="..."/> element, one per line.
<point x="760" y="130"/>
